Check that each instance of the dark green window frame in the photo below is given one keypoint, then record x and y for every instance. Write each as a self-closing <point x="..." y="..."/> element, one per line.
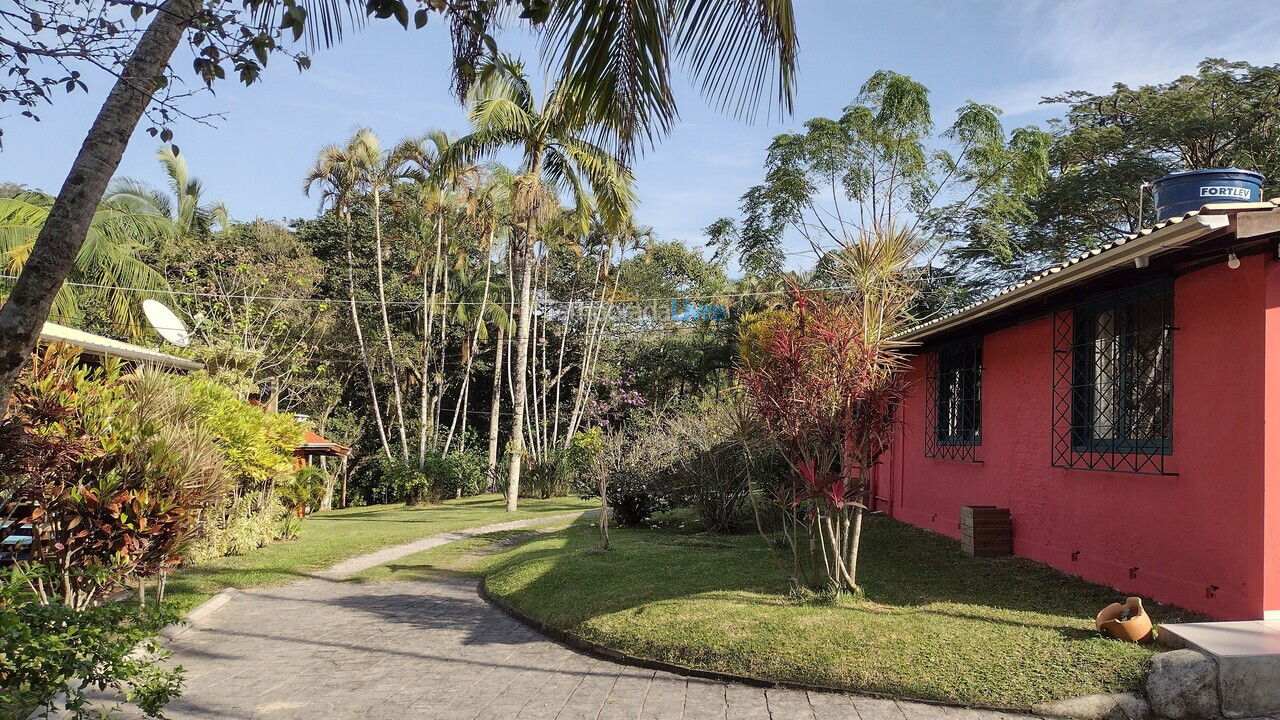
<point x="1122" y="380"/>
<point x="954" y="400"/>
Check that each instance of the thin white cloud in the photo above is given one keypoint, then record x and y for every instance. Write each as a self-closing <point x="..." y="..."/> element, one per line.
<point x="1093" y="44"/>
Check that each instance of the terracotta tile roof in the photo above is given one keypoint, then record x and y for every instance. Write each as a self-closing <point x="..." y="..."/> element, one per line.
<point x="314" y="441"/>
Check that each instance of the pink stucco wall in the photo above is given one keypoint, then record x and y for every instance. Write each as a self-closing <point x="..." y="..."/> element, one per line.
<point x="1199" y="537"/>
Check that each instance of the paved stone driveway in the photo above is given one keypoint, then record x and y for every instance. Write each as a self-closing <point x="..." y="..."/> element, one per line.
<point x="324" y="649"/>
<point x="327" y="649"/>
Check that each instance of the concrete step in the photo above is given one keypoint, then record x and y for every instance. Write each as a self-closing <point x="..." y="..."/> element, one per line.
<point x="1248" y="657"/>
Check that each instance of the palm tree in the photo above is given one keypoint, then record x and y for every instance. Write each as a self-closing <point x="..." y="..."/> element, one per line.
<point x="108" y="259"/>
<point x="371" y="172"/>
<point x="553" y="138"/>
<point x="192" y="218"/>
<point x="378" y="172"/>
<point x="337" y="178"/>
<point x="439" y="188"/>
<point x="617" y="57"/>
<point x="476" y="308"/>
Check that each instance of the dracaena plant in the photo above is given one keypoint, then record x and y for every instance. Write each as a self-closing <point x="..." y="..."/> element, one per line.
<point x="824" y="377"/>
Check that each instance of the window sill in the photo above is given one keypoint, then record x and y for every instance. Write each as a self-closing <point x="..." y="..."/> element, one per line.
<point x="966" y="461"/>
<point x="1121" y="471"/>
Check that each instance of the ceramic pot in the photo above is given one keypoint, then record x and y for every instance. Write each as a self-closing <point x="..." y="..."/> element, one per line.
<point x="1136" y="629"/>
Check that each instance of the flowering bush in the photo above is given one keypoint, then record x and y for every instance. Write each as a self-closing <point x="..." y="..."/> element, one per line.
<point x="617" y="401"/>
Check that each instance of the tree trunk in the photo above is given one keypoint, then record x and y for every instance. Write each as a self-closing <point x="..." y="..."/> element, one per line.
<point x="855" y="541"/>
<point x="64" y="231"/>
<point x="364" y="358"/>
<point x="330" y="481"/>
<point x="426" y="411"/>
<point x="386" y="323"/>
<point x="521" y="371"/>
<point x="494" y="409"/>
<point x="344" y="481"/>
<point x="437" y="403"/>
<point x="468" y="344"/>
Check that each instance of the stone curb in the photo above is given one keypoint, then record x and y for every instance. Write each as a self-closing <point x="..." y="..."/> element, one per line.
<point x="200" y="612"/>
<point x="604" y="652"/>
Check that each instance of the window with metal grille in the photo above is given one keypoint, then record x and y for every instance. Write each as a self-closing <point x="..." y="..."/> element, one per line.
<point x="1113" y="381"/>
<point x="954" y="401"/>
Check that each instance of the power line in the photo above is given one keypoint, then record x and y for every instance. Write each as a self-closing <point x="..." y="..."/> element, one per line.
<point x="418" y="304"/>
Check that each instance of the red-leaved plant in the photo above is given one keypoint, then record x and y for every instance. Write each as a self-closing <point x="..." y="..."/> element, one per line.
<point x="824" y="377"/>
<point x="107" y="472"/>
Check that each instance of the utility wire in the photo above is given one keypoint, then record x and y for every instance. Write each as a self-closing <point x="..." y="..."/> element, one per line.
<point x="418" y="303"/>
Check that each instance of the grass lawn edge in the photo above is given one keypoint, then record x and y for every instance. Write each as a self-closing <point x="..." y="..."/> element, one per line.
<point x="495" y="578"/>
<point x="604" y="652"/>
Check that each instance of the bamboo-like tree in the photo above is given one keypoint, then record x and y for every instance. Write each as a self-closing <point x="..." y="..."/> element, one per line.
<point x="553" y="137"/>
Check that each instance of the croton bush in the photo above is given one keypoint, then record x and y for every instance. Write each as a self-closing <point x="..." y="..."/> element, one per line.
<point x="120" y="475"/>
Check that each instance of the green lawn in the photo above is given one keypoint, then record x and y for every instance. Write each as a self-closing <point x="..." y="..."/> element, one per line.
<point x="935" y="624"/>
<point x="329" y="537"/>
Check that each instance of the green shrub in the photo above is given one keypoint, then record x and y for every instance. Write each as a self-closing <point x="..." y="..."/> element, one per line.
<point x="467" y="475"/>
<point x="702" y="457"/>
<point x="289" y="527"/>
<point x="247" y="523"/>
<point x="720" y="452"/>
<point x="50" y="649"/>
<point x="305" y="490"/>
<point x="560" y="470"/>
<point x="259" y="444"/>
<point x="414" y="482"/>
<point x="634" y="486"/>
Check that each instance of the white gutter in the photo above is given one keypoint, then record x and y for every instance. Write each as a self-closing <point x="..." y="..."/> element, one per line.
<point x="1123" y="252"/>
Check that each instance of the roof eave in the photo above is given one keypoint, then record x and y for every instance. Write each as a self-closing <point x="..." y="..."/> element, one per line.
<point x="1096" y="263"/>
<point x="124" y="351"/>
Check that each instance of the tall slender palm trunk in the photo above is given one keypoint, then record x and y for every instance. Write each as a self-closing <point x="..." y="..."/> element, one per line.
<point x="386" y="322"/>
<point x="499" y="348"/>
<point x="469" y="350"/>
<point x="521" y="371"/>
<point x="426" y="411"/>
<point x="364" y="357"/>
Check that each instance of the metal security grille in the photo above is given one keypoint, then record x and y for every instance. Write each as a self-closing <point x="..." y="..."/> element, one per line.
<point x="954" y="401"/>
<point x="1113" y="381"/>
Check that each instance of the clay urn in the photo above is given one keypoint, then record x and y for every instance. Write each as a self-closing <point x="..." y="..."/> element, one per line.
<point x="1128" y="622"/>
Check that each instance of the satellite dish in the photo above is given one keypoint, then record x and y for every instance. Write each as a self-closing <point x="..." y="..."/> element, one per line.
<point x="169" y="325"/>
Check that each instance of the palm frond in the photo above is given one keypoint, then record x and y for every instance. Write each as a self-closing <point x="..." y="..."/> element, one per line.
<point x="611" y="181"/>
<point x="503" y="77"/>
<point x="615" y="58"/>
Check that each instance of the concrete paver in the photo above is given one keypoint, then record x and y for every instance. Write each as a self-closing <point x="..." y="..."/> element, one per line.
<point x="324" y="648"/>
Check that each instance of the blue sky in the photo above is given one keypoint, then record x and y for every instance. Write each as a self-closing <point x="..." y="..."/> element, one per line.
<point x="1009" y="53"/>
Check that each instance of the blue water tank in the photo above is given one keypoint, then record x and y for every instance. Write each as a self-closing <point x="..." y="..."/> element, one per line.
<point x="1182" y="192"/>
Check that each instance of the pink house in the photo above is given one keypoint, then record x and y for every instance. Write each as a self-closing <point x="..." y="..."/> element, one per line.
<point x="1124" y="406"/>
